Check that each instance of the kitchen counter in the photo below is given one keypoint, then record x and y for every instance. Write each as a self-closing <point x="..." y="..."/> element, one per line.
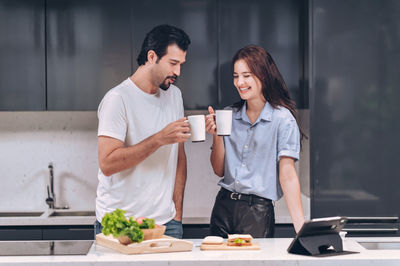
<point x="272" y="252"/>
<point x="47" y="219"/>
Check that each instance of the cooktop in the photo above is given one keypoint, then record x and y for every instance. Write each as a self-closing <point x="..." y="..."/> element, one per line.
<point x="44" y="248"/>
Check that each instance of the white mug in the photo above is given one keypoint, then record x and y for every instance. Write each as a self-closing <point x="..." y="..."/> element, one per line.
<point x="197" y="128"/>
<point x="224" y="122"/>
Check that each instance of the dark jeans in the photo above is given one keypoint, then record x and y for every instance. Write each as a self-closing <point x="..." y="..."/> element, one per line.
<point x="244" y="214"/>
<point x="174" y="228"/>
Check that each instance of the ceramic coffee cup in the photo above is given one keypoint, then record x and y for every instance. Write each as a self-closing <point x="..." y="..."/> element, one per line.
<point x="224" y="122"/>
<point x="197" y="128"/>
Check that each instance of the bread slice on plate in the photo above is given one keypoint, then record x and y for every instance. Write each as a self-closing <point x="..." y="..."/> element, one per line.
<point x="212" y="240"/>
<point x="240" y="240"/>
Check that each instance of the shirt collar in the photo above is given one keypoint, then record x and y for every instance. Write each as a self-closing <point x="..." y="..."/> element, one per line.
<point x="266" y="113"/>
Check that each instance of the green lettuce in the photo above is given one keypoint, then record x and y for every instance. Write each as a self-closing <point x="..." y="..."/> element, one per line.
<point x="117" y="225"/>
<point x="148" y="224"/>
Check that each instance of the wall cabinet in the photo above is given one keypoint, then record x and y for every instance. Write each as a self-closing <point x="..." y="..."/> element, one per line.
<point x="22" y="55"/>
<point x="88" y="51"/>
<point x="198" y="18"/>
<point x="274" y="25"/>
<point x="66" y="54"/>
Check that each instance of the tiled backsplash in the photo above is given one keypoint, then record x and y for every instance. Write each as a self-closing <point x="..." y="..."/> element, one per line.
<point x="30" y="140"/>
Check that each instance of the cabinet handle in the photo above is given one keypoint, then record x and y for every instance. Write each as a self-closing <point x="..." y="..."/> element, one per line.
<point x="370" y="230"/>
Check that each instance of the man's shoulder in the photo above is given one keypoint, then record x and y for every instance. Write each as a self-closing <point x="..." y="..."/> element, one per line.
<point x="119" y="90"/>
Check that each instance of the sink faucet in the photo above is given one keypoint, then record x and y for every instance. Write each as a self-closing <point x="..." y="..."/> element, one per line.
<point x="51" y="197"/>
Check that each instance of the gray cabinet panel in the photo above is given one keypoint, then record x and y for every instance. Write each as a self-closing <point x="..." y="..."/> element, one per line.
<point x="88" y="51"/>
<point x="73" y="233"/>
<point x="22" y="55"/>
<point x="198" y="18"/>
<point x="274" y="25"/>
<point x="355" y="109"/>
<point x="8" y="234"/>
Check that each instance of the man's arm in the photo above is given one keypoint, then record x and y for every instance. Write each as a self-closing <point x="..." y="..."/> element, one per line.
<point x="114" y="157"/>
<point x="180" y="182"/>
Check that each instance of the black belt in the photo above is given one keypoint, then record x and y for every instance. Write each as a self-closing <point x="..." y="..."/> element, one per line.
<point x="250" y="198"/>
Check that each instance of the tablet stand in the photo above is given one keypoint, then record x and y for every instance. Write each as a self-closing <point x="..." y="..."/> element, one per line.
<point x="318" y="244"/>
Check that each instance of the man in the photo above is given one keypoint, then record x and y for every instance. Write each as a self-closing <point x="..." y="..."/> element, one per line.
<point x="141" y="134"/>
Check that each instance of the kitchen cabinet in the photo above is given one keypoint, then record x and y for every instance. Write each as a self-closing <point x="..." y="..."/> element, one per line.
<point x="65" y="232"/>
<point x="8" y="233"/>
<point x="274" y="25"/>
<point x="66" y="54"/>
<point x="198" y="18"/>
<point x="22" y="55"/>
<point x="354" y="110"/>
<point x="68" y="232"/>
<point x="88" y="51"/>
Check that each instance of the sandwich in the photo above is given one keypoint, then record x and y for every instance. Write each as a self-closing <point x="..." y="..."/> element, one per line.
<point x="239" y="240"/>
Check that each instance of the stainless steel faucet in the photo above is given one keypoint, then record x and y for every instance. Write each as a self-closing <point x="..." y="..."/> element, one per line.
<point x="51" y="197"/>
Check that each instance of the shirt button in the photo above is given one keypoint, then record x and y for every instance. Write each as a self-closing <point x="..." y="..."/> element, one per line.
<point x="243" y="164"/>
<point x="245" y="146"/>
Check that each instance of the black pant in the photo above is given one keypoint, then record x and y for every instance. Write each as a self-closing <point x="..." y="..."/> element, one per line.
<point x="235" y="213"/>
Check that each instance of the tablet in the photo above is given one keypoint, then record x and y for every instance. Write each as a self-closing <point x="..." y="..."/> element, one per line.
<point x="319" y="228"/>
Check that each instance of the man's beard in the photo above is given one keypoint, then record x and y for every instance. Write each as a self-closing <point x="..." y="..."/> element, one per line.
<point x="165" y="85"/>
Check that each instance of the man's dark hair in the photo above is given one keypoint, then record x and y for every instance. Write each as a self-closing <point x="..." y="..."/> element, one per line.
<point x="159" y="38"/>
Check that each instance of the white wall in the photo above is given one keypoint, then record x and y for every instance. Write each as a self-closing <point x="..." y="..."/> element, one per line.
<point x="30" y="140"/>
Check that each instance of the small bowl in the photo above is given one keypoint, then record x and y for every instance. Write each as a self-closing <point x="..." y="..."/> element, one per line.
<point x="154" y="233"/>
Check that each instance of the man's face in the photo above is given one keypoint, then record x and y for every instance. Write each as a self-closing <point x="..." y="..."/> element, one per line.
<point x="168" y="68"/>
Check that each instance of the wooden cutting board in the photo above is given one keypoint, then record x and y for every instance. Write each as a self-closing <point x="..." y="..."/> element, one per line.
<point x="159" y="245"/>
<point x="224" y="246"/>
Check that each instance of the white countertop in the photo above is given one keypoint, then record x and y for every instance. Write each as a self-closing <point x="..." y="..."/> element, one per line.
<point x="45" y="219"/>
<point x="272" y="252"/>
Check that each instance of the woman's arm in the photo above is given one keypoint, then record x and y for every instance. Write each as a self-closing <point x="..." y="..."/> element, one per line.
<point x="217" y="157"/>
<point x="291" y="190"/>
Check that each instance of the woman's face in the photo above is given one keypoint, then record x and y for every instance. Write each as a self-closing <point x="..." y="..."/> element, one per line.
<point x="247" y="84"/>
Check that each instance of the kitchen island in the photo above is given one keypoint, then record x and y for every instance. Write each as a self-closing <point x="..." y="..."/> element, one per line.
<point x="272" y="252"/>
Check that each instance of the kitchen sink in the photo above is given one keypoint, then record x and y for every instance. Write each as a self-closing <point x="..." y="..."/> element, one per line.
<point x="20" y="214"/>
<point x="380" y="245"/>
<point x="72" y="213"/>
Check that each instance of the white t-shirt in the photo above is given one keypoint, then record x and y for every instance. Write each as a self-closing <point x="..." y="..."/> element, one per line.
<point x="129" y="114"/>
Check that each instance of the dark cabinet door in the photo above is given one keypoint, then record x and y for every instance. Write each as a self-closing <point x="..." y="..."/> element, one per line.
<point x="88" y="51"/>
<point x="22" y="55"/>
<point x="274" y="25"/>
<point x="198" y="18"/>
<point x="79" y="232"/>
<point x="10" y="233"/>
<point x="354" y="103"/>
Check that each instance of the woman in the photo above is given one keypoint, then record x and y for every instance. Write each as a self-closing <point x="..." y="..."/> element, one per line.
<point x="257" y="159"/>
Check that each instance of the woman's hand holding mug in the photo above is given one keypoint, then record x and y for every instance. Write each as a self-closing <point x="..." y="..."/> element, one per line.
<point x="211" y="126"/>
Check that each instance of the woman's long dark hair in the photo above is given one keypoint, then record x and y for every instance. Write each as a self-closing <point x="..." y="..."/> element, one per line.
<point x="274" y="88"/>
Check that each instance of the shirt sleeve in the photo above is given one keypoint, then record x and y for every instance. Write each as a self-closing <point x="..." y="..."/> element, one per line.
<point x="289" y="139"/>
<point x="112" y="117"/>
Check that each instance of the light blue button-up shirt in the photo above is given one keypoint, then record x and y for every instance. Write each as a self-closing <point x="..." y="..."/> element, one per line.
<point x="252" y="151"/>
